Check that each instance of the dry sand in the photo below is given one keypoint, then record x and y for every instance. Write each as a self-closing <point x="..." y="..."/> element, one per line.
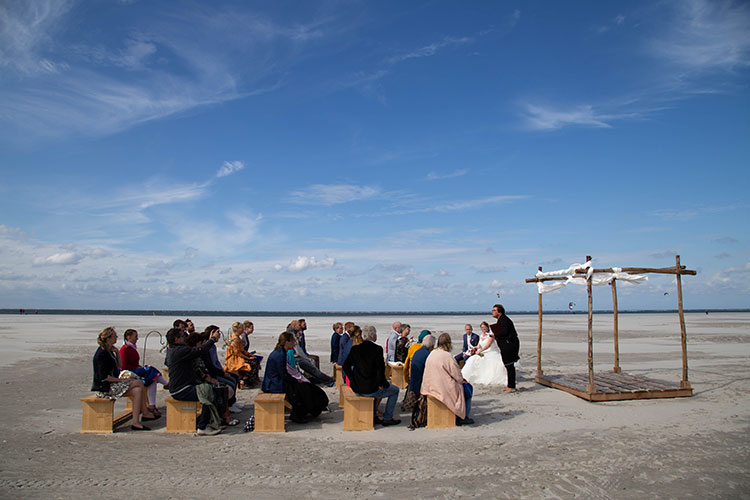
<point x="537" y="443"/>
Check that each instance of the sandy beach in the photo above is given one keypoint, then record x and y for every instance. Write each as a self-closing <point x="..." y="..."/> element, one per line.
<point x="537" y="443"/>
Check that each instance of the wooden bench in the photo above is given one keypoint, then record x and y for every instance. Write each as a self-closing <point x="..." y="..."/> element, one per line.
<point x="338" y="374"/>
<point x="181" y="416"/>
<point x="397" y="376"/>
<point x="439" y="416"/>
<point x="358" y="411"/>
<point x="98" y="415"/>
<point x="269" y="412"/>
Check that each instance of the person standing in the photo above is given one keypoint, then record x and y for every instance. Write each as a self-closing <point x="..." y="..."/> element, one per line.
<point x="507" y="340"/>
<point x="390" y="344"/>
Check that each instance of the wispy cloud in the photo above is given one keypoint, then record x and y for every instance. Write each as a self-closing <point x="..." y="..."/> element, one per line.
<point x="538" y="117"/>
<point x="433" y="176"/>
<point x="333" y="194"/>
<point x="58" y="259"/>
<point x="696" y="211"/>
<point x="230" y="167"/>
<point x="430" y="49"/>
<point x="706" y="36"/>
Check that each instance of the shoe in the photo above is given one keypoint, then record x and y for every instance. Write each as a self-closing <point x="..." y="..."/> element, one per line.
<point x="465" y="421"/>
<point x="232" y="422"/>
<point x="208" y="432"/>
<point x="331" y="384"/>
<point x="377" y="421"/>
<point x="510" y="389"/>
<point x="146" y="419"/>
<point x="391" y="422"/>
<point x="299" y="420"/>
<point x="142" y="428"/>
<point x="236" y="408"/>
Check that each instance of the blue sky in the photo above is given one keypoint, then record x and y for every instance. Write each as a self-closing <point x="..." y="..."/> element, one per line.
<point x="331" y="155"/>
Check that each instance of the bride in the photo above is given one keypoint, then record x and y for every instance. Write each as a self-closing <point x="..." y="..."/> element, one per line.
<point x="485" y="366"/>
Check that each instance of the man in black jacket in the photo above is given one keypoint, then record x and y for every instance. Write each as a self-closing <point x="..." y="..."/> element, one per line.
<point x="182" y="378"/>
<point x="507" y="340"/>
<point x="366" y="369"/>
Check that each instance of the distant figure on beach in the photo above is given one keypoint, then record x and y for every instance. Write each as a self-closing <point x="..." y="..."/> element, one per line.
<point x="507" y="340"/>
<point x="108" y="384"/>
<point x="131" y="360"/>
<point x="248" y="329"/>
<point x="485" y="366"/>
<point x="390" y="343"/>
<point x="443" y="381"/>
<point x="281" y="377"/>
<point x="471" y="340"/>
<point x="366" y="371"/>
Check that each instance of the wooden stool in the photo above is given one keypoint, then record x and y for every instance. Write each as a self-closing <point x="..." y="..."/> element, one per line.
<point x="269" y="412"/>
<point x="181" y="416"/>
<point x="358" y="411"/>
<point x="438" y="415"/>
<point x="397" y="376"/>
<point x="98" y="415"/>
<point x="338" y="374"/>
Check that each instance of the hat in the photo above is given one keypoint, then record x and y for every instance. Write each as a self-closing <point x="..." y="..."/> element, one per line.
<point x="423" y="334"/>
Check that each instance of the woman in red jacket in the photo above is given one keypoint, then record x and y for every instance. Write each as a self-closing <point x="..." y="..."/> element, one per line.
<point x="131" y="360"/>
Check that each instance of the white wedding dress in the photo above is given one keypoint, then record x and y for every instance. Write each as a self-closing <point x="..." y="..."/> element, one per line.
<point x="488" y="368"/>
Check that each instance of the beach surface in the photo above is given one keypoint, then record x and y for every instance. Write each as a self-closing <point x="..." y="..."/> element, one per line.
<point x="536" y="443"/>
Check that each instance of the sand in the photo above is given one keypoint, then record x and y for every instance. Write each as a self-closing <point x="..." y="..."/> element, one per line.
<point x="537" y="443"/>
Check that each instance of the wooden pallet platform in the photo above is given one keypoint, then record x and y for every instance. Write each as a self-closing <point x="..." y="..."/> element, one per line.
<point x="614" y="386"/>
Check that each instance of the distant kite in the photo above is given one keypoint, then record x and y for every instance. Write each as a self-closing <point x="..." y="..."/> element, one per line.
<point x="666" y="293"/>
<point x="498" y="295"/>
<point x="570" y="305"/>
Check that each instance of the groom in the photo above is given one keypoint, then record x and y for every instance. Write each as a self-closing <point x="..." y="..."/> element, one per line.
<point x="507" y="340"/>
<point x="471" y="340"/>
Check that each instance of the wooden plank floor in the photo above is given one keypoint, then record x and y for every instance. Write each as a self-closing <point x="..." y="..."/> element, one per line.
<point x="612" y="386"/>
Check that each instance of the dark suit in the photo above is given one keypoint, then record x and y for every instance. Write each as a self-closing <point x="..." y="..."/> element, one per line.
<point x="366" y="371"/>
<point x="473" y="341"/>
<point x="507" y="340"/>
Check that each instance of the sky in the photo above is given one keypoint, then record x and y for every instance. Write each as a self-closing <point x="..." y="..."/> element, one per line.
<point x="370" y="156"/>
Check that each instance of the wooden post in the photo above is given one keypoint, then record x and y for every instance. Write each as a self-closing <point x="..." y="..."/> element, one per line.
<point x="617" y="368"/>
<point x="591" y="387"/>
<point x="683" y="335"/>
<point x="539" y="372"/>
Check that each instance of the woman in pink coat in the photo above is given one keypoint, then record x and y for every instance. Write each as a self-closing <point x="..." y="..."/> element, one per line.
<point x="443" y="381"/>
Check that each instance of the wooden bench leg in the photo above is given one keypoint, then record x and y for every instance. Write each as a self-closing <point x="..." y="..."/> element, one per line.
<point x="269" y="412"/>
<point x="439" y="416"/>
<point x="181" y="416"/>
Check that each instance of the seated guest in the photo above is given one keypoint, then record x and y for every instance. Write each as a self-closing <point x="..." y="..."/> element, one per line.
<point x="345" y="344"/>
<point x="443" y="381"/>
<point x="338" y="330"/>
<point x="303" y="360"/>
<point x="390" y="343"/>
<point x="239" y="361"/>
<point x="471" y="340"/>
<point x="402" y="344"/>
<point x="203" y="374"/>
<point x="183" y="382"/>
<point x="416" y="371"/>
<point x="366" y="370"/>
<point x="410" y="353"/>
<point x="307" y="400"/>
<point x="249" y="328"/>
<point x="131" y="360"/>
<point x="211" y="360"/>
<point x="107" y="383"/>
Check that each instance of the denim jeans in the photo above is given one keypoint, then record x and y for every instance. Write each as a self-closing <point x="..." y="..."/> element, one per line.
<point x="467" y="398"/>
<point x="190" y="394"/>
<point x="390" y="392"/>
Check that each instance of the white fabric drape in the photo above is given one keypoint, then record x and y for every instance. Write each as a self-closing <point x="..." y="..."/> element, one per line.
<point x="597" y="279"/>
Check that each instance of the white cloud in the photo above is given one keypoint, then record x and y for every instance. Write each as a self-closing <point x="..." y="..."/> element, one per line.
<point x="547" y="118"/>
<point x="58" y="259"/>
<point x="432" y="176"/>
<point x="302" y="263"/>
<point x="332" y="194"/>
<point x="431" y="49"/>
<point x="230" y="167"/>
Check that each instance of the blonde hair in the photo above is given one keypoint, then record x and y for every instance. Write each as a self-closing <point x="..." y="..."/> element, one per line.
<point x="104" y="335"/>
<point x="236" y="326"/>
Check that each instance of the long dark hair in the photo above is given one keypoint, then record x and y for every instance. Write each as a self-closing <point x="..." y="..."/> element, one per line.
<point x="283" y="339"/>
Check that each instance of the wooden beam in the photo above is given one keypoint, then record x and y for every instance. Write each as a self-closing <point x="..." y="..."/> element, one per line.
<point x="616" y="369"/>
<point x="539" y="339"/>
<point x="591" y="388"/>
<point x="683" y="335"/>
